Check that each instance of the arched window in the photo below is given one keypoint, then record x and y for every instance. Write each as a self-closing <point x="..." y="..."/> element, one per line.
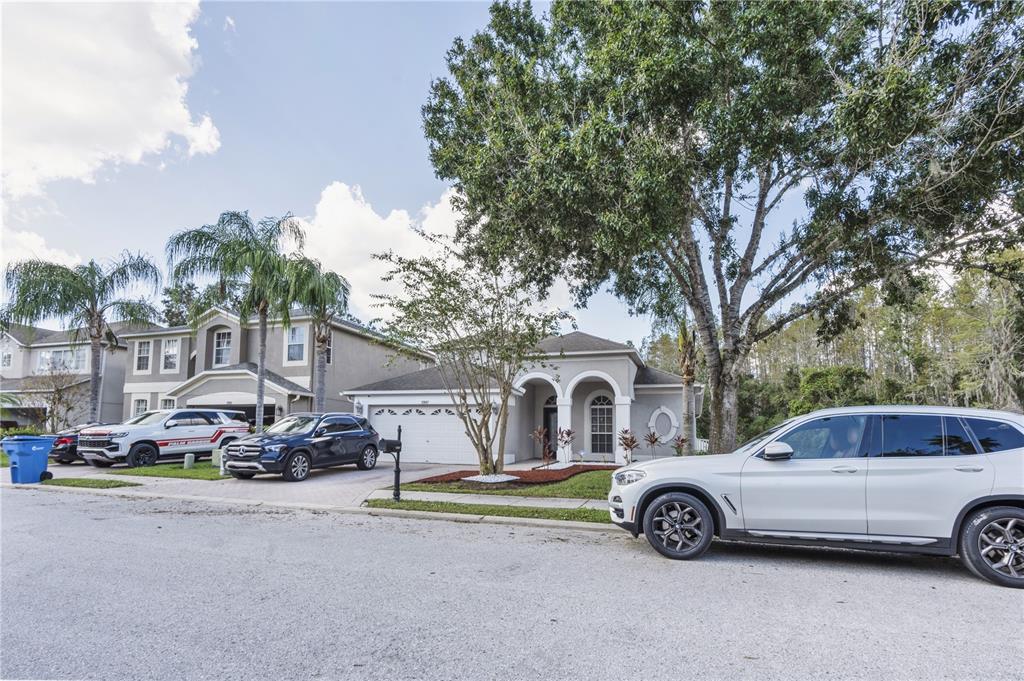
<point x="551" y="401"/>
<point x="602" y="429"/>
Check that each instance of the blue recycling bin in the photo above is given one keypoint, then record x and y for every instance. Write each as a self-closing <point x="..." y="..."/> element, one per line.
<point x="29" y="455"/>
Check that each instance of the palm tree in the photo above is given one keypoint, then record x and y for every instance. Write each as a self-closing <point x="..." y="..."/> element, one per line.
<point x="236" y="249"/>
<point x="324" y="295"/>
<point x="86" y="298"/>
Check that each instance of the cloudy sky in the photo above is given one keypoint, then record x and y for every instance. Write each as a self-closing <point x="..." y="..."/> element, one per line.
<point x="124" y="123"/>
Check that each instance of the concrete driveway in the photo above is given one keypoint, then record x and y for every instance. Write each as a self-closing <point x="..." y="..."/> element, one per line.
<point x="342" y="486"/>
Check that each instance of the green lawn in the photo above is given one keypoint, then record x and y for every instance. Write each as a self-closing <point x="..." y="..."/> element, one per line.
<point x="588" y="485"/>
<point x="204" y="470"/>
<point x="5" y="461"/>
<point x="94" y="483"/>
<point x="586" y="515"/>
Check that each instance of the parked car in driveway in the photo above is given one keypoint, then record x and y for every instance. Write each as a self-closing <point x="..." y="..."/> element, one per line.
<point x="934" y="480"/>
<point x="65" y="447"/>
<point x="298" y="443"/>
<point x="163" y="434"/>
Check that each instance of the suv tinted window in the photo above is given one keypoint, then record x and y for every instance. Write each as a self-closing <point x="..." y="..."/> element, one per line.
<point x="832" y="437"/>
<point x="333" y="424"/>
<point x="958" y="442"/>
<point x="192" y="418"/>
<point x="995" y="436"/>
<point x="911" y="435"/>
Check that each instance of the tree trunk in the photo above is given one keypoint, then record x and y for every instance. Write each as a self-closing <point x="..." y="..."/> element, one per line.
<point x="689" y="417"/>
<point x="261" y="369"/>
<point x="499" y="464"/>
<point x="724" y="414"/>
<point x="320" y="380"/>
<point x="94" y="376"/>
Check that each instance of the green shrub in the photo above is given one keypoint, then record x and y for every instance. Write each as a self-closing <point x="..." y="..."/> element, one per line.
<point x="19" y="430"/>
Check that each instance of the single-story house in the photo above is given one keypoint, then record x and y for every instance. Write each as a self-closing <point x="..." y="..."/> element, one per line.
<point x="592" y="385"/>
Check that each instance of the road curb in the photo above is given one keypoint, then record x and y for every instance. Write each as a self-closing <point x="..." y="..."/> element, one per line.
<point x="466" y="518"/>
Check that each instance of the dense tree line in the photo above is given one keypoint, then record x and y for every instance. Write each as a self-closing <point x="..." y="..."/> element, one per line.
<point x="960" y="342"/>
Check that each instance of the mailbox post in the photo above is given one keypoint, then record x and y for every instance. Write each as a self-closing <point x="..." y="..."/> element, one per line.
<point x="394" y="448"/>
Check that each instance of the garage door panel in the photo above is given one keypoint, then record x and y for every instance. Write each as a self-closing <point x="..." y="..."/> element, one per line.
<point x="429" y="434"/>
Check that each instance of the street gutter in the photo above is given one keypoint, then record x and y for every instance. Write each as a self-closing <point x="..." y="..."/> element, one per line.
<point x="328" y="508"/>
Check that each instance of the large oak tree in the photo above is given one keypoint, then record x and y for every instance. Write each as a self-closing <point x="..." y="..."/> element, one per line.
<point x="652" y="145"/>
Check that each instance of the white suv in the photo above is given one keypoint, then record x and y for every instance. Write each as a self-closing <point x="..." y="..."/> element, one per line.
<point x="167" y="433"/>
<point x="923" y="479"/>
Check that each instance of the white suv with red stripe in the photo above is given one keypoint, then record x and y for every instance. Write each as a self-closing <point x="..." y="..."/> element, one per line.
<point x="154" y="435"/>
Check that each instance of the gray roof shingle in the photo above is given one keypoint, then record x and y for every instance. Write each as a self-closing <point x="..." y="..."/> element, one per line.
<point x="651" y="376"/>
<point x="577" y="341"/>
<point x="35" y="335"/>
<point x="273" y="377"/>
<point x="424" y="379"/>
<point x="17" y="385"/>
<point x="430" y="379"/>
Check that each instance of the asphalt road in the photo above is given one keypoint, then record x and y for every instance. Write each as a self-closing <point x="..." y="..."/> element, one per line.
<point x="102" y="587"/>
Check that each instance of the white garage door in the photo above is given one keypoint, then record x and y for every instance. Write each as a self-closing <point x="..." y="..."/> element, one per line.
<point x="429" y="434"/>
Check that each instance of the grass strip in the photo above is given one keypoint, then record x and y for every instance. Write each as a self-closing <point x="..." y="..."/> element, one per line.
<point x="588" y="485"/>
<point x="586" y="515"/>
<point x="204" y="470"/>
<point x="94" y="483"/>
<point x="5" y="461"/>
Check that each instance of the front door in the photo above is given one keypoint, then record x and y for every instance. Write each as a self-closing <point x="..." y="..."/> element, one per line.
<point x="551" y="425"/>
<point x="820" y="490"/>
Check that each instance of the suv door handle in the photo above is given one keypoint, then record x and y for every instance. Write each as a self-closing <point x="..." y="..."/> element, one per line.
<point x="969" y="469"/>
<point x="844" y="469"/>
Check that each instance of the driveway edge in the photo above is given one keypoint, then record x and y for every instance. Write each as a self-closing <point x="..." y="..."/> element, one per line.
<point x="467" y="518"/>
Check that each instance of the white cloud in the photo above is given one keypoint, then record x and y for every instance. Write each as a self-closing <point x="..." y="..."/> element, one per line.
<point x="229" y="24"/>
<point x="346" y="231"/>
<point x="18" y="245"/>
<point x="91" y="85"/>
<point x="203" y="138"/>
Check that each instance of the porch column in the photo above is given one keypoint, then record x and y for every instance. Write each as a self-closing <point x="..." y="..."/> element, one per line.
<point x="564" y="421"/>
<point x="622" y="420"/>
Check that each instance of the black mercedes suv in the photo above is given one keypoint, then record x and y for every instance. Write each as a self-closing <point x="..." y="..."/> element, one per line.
<point x="298" y="443"/>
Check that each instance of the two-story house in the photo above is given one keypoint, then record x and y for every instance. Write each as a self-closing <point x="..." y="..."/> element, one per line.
<point x="35" y="361"/>
<point x="214" y="365"/>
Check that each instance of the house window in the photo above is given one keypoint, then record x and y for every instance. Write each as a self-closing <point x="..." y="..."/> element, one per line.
<point x="5" y="360"/>
<point x="171" y="348"/>
<point x="167" y="403"/>
<point x="142" y="349"/>
<point x="221" y="348"/>
<point x="602" y="431"/>
<point x="71" y="359"/>
<point x="140" y="406"/>
<point x="329" y="350"/>
<point x="297" y="344"/>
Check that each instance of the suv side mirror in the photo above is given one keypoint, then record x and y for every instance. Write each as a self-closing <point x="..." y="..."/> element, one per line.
<point x="319" y="431"/>
<point x="778" y="451"/>
<point x="170" y="424"/>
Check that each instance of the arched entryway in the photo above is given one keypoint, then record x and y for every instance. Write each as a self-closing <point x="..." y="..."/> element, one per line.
<point x="597" y="413"/>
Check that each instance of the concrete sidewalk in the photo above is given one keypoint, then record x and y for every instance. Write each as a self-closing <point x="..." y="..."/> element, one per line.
<point x="495" y="499"/>
<point x="344" y="486"/>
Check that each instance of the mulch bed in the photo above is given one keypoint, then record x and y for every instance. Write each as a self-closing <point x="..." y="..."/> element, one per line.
<point x="527" y="477"/>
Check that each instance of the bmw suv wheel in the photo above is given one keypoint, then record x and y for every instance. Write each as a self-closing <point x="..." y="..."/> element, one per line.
<point x="992" y="545"/>
<point x="679" y="526"/>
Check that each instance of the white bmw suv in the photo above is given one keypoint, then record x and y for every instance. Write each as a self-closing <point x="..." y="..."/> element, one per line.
<point x="935" y="480"/>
